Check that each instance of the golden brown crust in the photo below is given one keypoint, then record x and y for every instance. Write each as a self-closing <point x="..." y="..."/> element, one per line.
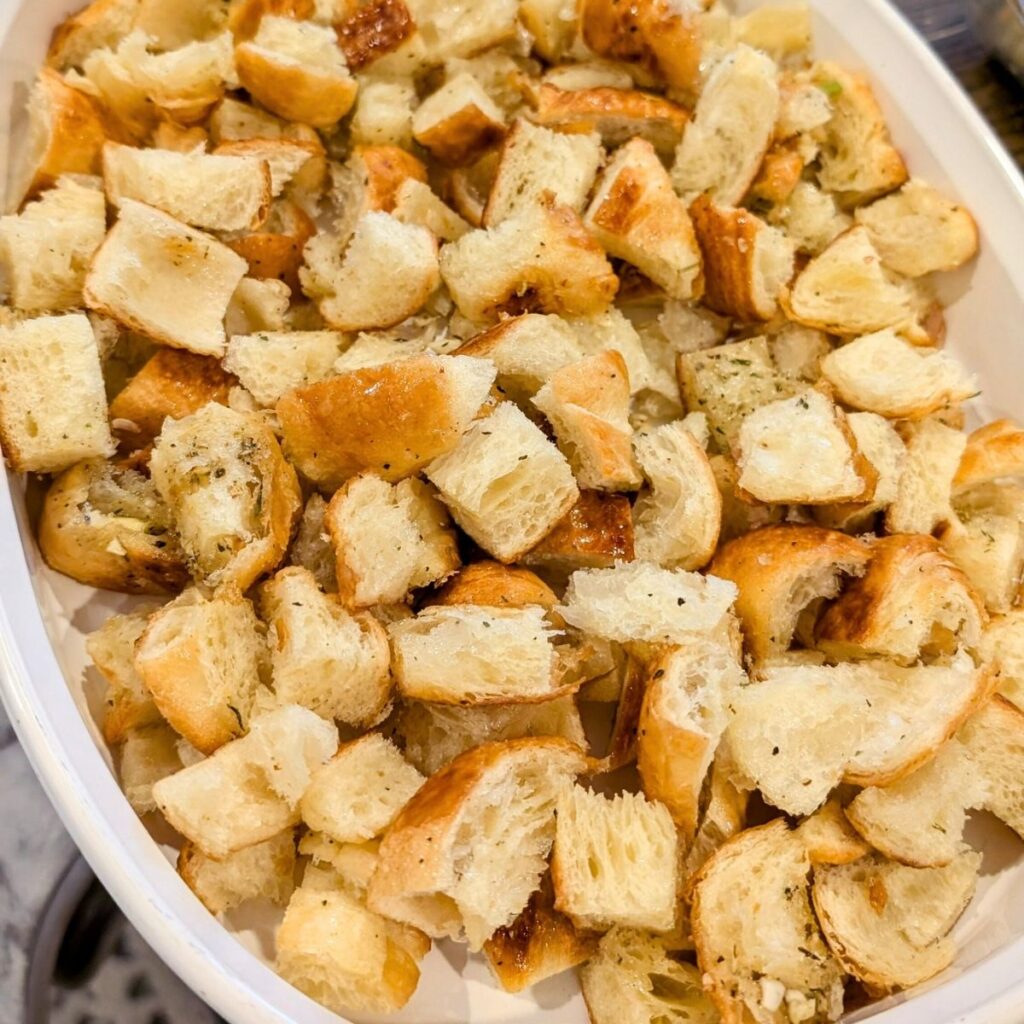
<point x="172" y="383"/>
<point x="245" y="16"/>
<point x="622" y="748"/>
<point x="310" y="174"/>
<point x="779" y="175"/>
<point x="374" y="30"/>
<point x="993" y="451"/>
<point x="463" y="137"/>
<point x="385" y="169"/>
<point x="277" y="255"/>
<point x="466" y="188"/>
<point x="494" y="585"/>
<point x="829" y="838"/>
<point x="595" y="533"/>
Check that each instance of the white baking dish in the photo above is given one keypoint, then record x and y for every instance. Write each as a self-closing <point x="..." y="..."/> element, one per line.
<point x="48" y="692"/>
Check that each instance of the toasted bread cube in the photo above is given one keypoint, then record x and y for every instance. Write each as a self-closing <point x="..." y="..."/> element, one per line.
<point x="993" y="451"/>
<point x="528" y="156"/>
<point x="451" y="866"/>
<point x="810" y="218"/>
<point x="374" y="30"/>
<point x="249" y="790"/>
<point x="245" y="16"/>
<point x="615" y="861"/>
<point x="993" y="741"/>
<point x="107" y="527"/>
<point x="830" y="838"/>
<point x="128" y="704"/>
<point x="264" y="871"/>
<point x="1001" y="647"/>
<point x="459" y="122"/>
<point x="505" y="484"/>
<point x="146" y="755"/>
<point x="781" y="30"/>
<point x="383" y="114"/>
<point x="731" y="130"/>
<point x="923" y="501"/>
<point x="989" y="548"/>
<point x="172" y="383"/>
<point x="100" y="24"/>
<point x="415" y="203"/>
<point x="800" y="451"/>
<point x="297" y="70"/>
<point x="200" y="660"/>
<point x="459" y="28"/>
<point x="359" y="792"/>
<point x="274" y="253"/>
<point x="858" y="160"/>
<point x="258" y="305"/>
<point x="755" y="932"/>
<point x="636" y="216"/>
<point x="352" y="863"/>
<point x="388" y="539"/>
<point x="233" y="496"/>
<point x="553" y="25"/>
<point x="640" y="601"/>
<point x="595" y="533"/>
<point x="275" y="362"/>
<point x="323" y="657"/>
<point x="780" y="571"/>
<point x="542" y="260"/>
<point x="467" y="654"/>
<point x="52" y="399"/>
<point x="864" y="909"/>
<point x="45" y="250"/>
<point x="747" y="263"/>
<point x="435" y="398"/>
<point x="148" y="261"/>
<point x="296" y="165"/>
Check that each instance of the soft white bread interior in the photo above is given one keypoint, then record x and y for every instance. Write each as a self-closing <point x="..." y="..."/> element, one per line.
<point x="1002" y="646"/>
<point x="612" y="329"/>
<point x="353" y="863"/>
<point x="888" y="924"/>
<point x="758" y="943"/>
<point x="451" y="866"/>
<point x="297" y="166"/>
<point x="272" y="363"/>
<point x="553" y="25"/>
<point x="258" y="304"/>
<point x="388" y="539"/>
<point x="147" y="262"/>
<point x="829" y="838"/>
<point x="416" y="203"/>
<point x="147" y="755"/>
<point x="359" y="792"/>
<point x="504" y="483"/>
<point x="200" y="659"/>
<point x="923" y="502"/>
<point x="322" y="656"/>
<point x="993" y="738"/>
<point x="383" y="113"/>
<point x="249" y="790"/>
<point x="458" y="122"/>
<point x="51" y="363"/>
<point x="810" y="217"/>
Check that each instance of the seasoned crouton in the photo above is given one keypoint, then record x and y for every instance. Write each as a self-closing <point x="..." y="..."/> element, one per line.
<point x="494" y="585"/>
<point x="274" y="362"/>
<point x="524" y="173"/>
<point x="373" y="30"/>
<point x="264" y="871"/>
<point x="780" y="571"/>
<point x="637" y="216"/>
<point x="459" y="28"/>
<point x="258" y="305"/>
<point x="552" y="24"/>
<point x="245" y="16"/>
<point x="45" y="250"/>
<point x="200" y="659"/>
<point x="233" y="496"/>
<point x="296" y="165"/>
<point x="810" y="218"/>
<point x="589" y="74"/>
<point x="829" y="837"/>
<point x="595" y="533"/>
<point x="911" y="600"/>
<point x="505" y="484"/>
<point x="731" y="129"/>
<point x="847" y="289"/>
<point x="99" y="24"/>
<point x="274" y="253"/>
<point x="383" y="114"/>
<point x="148" y="261"/>
<point x="415" y="203"/>
<point x="458" y="122"/>
<point x="993" y="741"/>
<point x="52" y="399"/>
<point x="780" y="173"/>
<point x="797" y="352"/>
<point x="146" y="755"/>
<point x="388" y="539"/>
<point x="800" y="450"/>
<point x="747" y="263"/>
<point x="398" y="417"/>
<point x="993" y="451"/>
<point x="923" y="501"/>
<point x="677" y="518"/>
<point x="297" y="70"/>
<point x="322" y="656"/>
<point x="449" y="865"/>
<point x="988" y="546"/>
<point x="1002" y="646"/>
<point x="108" y="527"/>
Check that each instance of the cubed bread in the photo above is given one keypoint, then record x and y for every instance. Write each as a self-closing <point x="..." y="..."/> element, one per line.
<point x="459" y="28"/>
<point x="297" y="70"/>
<point x="993" y="451"/>
<point x="553" y="25"/>
<point x="127" y="704"/>
<point x="858" y="160"/>
<point x="469" y="654"/>
<point x="233" y="497"/>
<point x="731" y="129"/>
<point x="678" y="516"/>
<point x="923" y="501"/>
<point x="99" y="24"/>
<point x="373" y="30"/>
<point x="542" y="259"/>
<point x="912" y="601"/>
<point x="810" y="217"/>
<point x="52" y="399"/>
<point x="640" y="601"/>
<point x="723" y="815"/>
<point x="757" y="939"/>
<point x="829" y="838"/>
<point x="415" y="203"/>
<point x="888" y="924"/>
<point x="259" y="305"/>
<point x="780" y="572"/>
<point x="312" y="548"/>
<point x="398" y="417"/>
<point x="45" y="250"/>
<point x="249" y="790"/>
<point x="846" y="289"/>
<point x="747" y="262"/>
<point x="107" y="527"/>
<point x="264" y="872"/>
<point x="272" y="363"/>
<point x="493" y="585"/>
<point x="993" y="741"/>
<point x="449" y="865"/>
<point x="988" y="546"/>
<point x="275" y="252"/>
<point x="528" y="157"/>
<point x="148" y="261"/>
<point x="321" y="656"/>
<point x="595" y="533"/>
<point x="352" y="863"/>
<point x="383" y="113"/>
<point x="800" y="450"/>
<point x="297" y="166"/>
<point x="1002" y="646"/>
<point x="146" y="755"/>
<point x="388" y="539"/>
<point x="200" y="658"/>
<point x="459" y="122"/>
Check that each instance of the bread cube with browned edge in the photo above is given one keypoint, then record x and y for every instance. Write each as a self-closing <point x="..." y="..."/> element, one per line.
<point x="459" y="122"/>
<point x="595" y="533"/>
<point x="271" y="363"/>
<point x="145" y="755"/>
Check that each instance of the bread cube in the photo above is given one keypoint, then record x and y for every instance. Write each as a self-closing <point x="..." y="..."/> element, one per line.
<point x="595" y="533"/>
<point x="459" y="28"/>
<point x="553" y="25"/>
<point x="52" y="399"/>
<point x="98" y="24"/>
<point x="989" y="547"/>
<point x="296" y="165"/>
<point x="321" y="656"/>
<point x="272" y="363"/>
<point x="505" y="484"/>
<point x="459" y="122"/>
<point x="373" y="30"/>
<point x="146" y="755"/>
<point x="275" y="252"/>
<point x="923" y="500"/>
<point x="415" y="203"/>
<point x="494" y="585"/>
<point x="811" y="218"/>
<point x="993" y="451"/>
<point x="312" y="547"/>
